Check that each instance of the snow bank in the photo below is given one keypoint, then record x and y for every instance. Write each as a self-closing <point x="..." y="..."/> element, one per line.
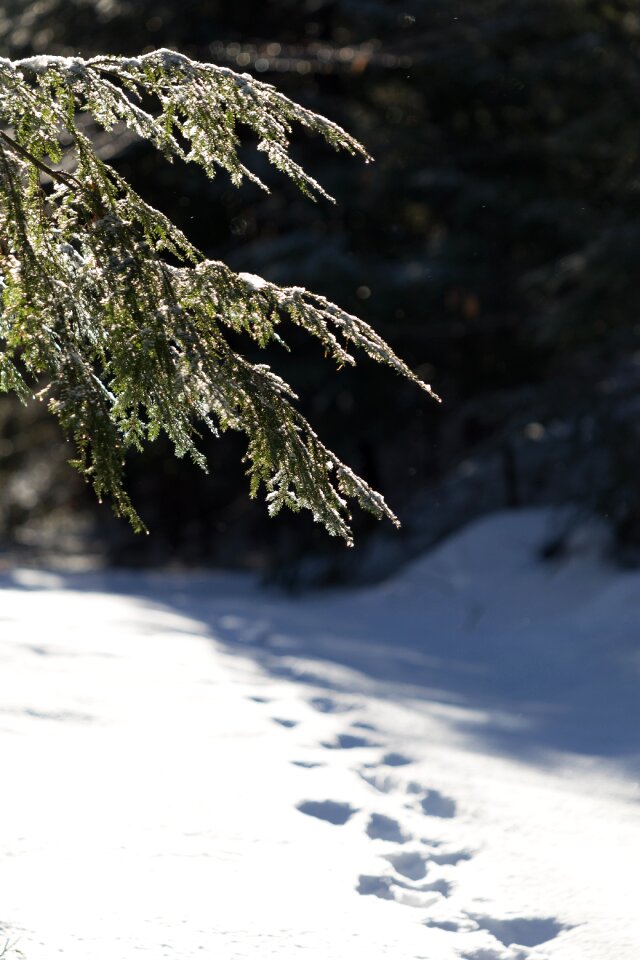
<point x="444" y="766"/>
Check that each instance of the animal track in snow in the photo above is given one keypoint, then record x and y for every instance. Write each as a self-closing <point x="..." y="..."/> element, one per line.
<point x="411" y="861"/>
<point x="521" y="931"/>
<point x="435" y="804"/>
<point x="348" y="741"/>
<point x="431" y="802"/>
<point x="413" y="864"/>
<point x="375" y="887"/>
<point x="283" y="722"/>
<point x="410" y="864"/>
<point x="388" y="888"/>
<point x="451" y="926"/>
<point x="394" y="759"/>
<point x="450" y="859"/>
<point x="330" y="705"/>
<point x="419" y="873"/>
<point x="307" y="764"/>
<point x="391" y="759"/>
<point x="382" y="782"/>
<point x="333" y="811"/>
<point x="385" y="828"/>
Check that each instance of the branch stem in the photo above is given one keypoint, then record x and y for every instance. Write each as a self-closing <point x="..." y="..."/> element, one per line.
<point x="66" y="178"/>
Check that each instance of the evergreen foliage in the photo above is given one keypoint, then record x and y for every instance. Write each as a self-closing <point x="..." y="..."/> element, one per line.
<point x="494" y="243"/>
<point x="124" y="319"/>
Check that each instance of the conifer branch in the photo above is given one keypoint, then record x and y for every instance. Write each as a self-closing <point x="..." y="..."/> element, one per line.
<point x="133" y="344"/>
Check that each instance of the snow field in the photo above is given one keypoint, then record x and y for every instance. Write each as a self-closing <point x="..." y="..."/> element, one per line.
<point x="443" y="767"/>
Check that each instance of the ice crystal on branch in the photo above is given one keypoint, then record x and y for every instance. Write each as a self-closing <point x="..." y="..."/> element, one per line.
<point x="109" y="303"/>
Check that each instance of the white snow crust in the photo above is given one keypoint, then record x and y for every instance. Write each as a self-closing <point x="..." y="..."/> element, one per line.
<point x="445" y="766"/>
<point x="253" y="280"/>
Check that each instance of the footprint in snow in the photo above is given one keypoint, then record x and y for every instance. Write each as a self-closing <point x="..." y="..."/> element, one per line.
<point x="386" y="782"/>
<point x="450" y="859"/>
<point x="410" y="883"/>
<point x="348" y="741"/>
<point x="409" y="864"/>
<point x="413" y="863"/>
<point x="394" y="759"/>
<point x="284" y="722"/>
<point x="385" y="828"/>
<point x="435" y="804"/>
<point x="330" y="705"/>
<point x="521" y="931"/>
<point x="420" y="872"/>
<point x="333" y="811"/>
<point x="411" y="895"/>
<point x="391" y="759"/>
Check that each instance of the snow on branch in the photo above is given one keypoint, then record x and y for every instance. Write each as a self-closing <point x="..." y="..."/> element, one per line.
<point x="129" y="342"/>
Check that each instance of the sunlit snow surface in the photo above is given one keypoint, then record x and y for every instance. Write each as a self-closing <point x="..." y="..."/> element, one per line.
<point x="444" y="766"/>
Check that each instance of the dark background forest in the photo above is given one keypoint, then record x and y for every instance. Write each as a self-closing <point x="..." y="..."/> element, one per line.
<point x="495" y="243"/>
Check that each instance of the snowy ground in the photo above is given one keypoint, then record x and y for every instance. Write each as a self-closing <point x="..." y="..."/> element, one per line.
<point x="445" y="766"/>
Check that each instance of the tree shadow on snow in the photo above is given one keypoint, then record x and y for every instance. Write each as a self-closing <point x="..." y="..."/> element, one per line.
<point x="525" y="657"/>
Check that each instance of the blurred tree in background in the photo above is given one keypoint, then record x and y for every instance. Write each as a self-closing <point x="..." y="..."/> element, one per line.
<point x="493" y="243"/>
